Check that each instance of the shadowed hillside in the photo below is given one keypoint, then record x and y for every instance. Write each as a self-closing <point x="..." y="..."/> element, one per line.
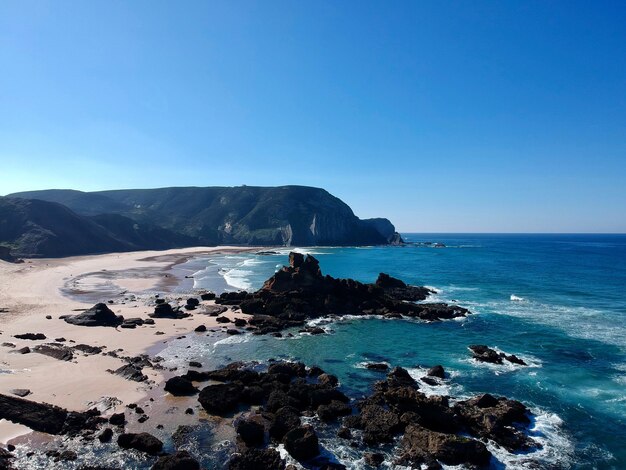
<point x="244" y="215"/>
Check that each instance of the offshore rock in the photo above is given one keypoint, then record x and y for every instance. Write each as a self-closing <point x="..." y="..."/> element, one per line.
<point x="300" y="291"/>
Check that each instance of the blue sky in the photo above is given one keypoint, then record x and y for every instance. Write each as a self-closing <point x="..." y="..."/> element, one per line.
<point x="442" y="116"/>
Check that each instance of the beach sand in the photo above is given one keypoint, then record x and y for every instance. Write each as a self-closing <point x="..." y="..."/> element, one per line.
<point x="35" y="289"/>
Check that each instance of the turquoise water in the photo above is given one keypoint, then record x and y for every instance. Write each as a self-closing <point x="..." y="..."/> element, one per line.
<point x="567" y="319"/>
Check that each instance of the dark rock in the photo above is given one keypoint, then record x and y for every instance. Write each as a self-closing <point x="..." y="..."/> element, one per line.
<point x="220" y="399"/>
<point x="31" y="336"/>
<point x="328" y="380"/>
<point x="429" y="381"/>
<point x="484" y="353"/>
<point x="143" y="442"/>
<point x="377" y="366"/>
<point x="46" y="418"/>
<point x="193" y="302"/>
<point x="374" y="459"/>
<point x="195" y="364"/>
<point x="200" y="329"/>
<point x="400" y="377"/>
<point x="24" y="350"/>
<point x="88" y="349"/>
<point x="189" y="411"/>
<point x="302" y="443"/>
<point x="423" y="446"/>
<point x="214" y="310"/>
<point x="257" y="459"/>
<point x="131" y="372"/>
<point x="313" y="330"/>
<point x="240" y="322"/>
<point x="222" y="320"/>
<point x="8" y="345"/>
<point x="437" y="371"/>
<point x="300" y="292"/>
<point x="165" y="310"/>
<point x="333" y="410"/>
<point x="62" y="353"/>
<point x="499" y="419"/>
<point x="207" y="296"/>
<point x="98" y="315"/>
<point x="66" y="456"/>
<point x="106" y="435"/>
<point x="118" y="419"/>
<point x="180" y="460"/>
<point x="251" y="430"/>
<point x="292" y="369"/>
<point x="179" y="386"/>
<point x="232" y="331"/>
<point x="284" y="419"/>
<point x="315" y="371"/>
<point x="515" y="360"/>
<point x="379" y="425"/>
<point x="344" y="433"/>
<point x="20" y="392"/>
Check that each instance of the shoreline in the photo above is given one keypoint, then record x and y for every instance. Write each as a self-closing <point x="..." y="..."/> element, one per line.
<point x="31" y="292"/>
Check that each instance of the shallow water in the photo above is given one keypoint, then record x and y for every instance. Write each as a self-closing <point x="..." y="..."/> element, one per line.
<point x="567" y="319"/>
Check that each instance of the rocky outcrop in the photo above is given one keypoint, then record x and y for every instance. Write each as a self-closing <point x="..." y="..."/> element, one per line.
<point x="300" y="292"/>
<point x="483" y="353"/>
<point x="47" y="418"/>
<point x="98" y="315"/>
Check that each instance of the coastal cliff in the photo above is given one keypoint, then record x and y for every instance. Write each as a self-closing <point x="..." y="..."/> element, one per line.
<point x="135" y="219"/>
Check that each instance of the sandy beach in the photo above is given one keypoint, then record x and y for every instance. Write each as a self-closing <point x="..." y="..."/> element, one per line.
<point x="32" y="291"/>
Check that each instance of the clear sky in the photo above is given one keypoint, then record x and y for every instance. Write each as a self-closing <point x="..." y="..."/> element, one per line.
<point x="463" y="116"/>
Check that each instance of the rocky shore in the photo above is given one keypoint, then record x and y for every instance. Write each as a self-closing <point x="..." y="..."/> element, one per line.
<point x="276" y="412"/>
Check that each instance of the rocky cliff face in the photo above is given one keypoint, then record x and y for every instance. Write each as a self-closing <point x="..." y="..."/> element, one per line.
<point x="245" y="215"/>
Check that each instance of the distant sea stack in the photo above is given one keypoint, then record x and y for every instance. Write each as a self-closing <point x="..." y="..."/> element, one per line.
<point x="66" y="222"/>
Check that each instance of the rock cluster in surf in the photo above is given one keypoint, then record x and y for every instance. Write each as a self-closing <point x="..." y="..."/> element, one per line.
<point x="300" y="292"/>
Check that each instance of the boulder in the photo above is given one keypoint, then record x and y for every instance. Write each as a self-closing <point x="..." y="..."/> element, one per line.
<point x="142" y="441"/>
<point x="302" y="443"/>
<point x="423" y="446"/>
<point x="179" y="460"/>
<point x="165" y="310"/>
<point x="333" y="410"/>
<point x="179" y="386"/>
<point x="256" y="459"/>
<point x="220" y="399"/>
<point x="284" y="419"/>
<point x="20" y="392"/>
<point x="98" y="315"/>
<point x="251" y="430"/>
<point x="106" y="435"/>
<point x="377" y="366"/>
<point x="207" y="296"/>
<point x="437" y="371"/>
<point x="374" y="459"/>
<point x="117" y="419"/>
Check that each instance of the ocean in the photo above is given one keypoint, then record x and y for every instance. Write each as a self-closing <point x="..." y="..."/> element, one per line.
<point x="557" y="301"/>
